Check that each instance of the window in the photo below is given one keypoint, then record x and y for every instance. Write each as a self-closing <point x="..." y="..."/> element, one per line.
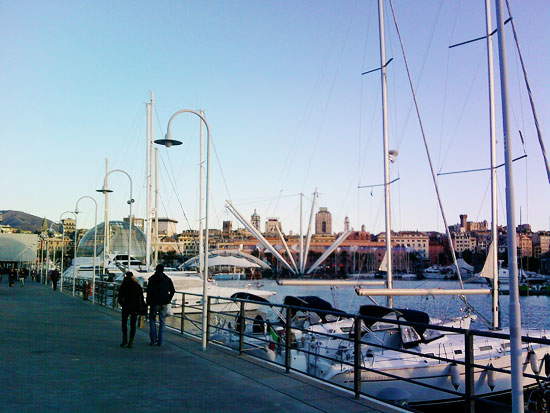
<point x="485" y="348"/>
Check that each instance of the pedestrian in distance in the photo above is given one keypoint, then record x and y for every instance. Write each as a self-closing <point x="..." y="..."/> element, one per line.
<point x="21" y="276"/>
<point x="54" y="277"/>
<point x="130" y="298"/>
<point x="160" y="290"/>
<point x="12" y="277"/>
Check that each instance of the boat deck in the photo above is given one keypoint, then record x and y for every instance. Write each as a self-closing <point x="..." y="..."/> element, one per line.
<point x="62" y="354"/>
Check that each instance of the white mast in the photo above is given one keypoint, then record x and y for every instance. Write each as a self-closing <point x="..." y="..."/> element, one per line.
<point x="515" y="310"/>
<point x="492" y="130"/>
<point x="301" y="263"/>
<point x="149" y="180"/>
<point x="387" y="200"/>
<point x="308" y="236"/>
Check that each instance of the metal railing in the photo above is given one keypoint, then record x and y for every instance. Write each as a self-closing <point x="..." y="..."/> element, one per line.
<point x="228" y="319"/>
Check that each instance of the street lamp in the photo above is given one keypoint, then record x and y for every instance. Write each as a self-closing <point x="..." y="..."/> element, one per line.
<point x="63" y="241"/>
<point x="104" y="190"/>
<point x="168" y="141"/>
<point x="95" y="240"/>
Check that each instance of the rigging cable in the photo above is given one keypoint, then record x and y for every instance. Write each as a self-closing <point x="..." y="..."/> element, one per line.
<point x="434" y="179"/>
<point x="529" y="93"/>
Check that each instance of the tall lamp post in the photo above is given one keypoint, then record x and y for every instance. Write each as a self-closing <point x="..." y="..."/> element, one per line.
<point x="169" y="142"/>
<point x="129" y="202"/>
<point x="95" y="239"/>
<point x="63" y="242"/>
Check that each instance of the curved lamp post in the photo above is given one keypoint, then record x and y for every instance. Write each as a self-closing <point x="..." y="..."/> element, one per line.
<point x="129" y="202"/>
<point x="95" y="240"/>
<point x="63" y="242"/>
<point x="168" y="141"/>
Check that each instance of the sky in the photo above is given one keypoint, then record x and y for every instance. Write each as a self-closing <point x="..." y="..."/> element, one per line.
<point x="280" y="83"/>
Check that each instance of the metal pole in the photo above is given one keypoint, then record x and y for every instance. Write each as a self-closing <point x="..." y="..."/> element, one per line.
<point x="148" y="157"/>
<point x="469" y="379"/>
<point x="201" y="196"/>
<point x="62" y="253"/>
<point x="493" y="143"/>
<point x="95" y="239"/>
<point x="241" y="327"/>
<point x="514" y="311"/>
<point x="106" y="229"/>
<point x="45" y="281"/>
<point x="288" y="332"/>
<point x="206" y="208"/>
<point x="301" y="264"/>
<point x="75" y="266"/>
<point x="156" y="237"/>
<point x="357" y="357"/>
<point x="385" y="125"/>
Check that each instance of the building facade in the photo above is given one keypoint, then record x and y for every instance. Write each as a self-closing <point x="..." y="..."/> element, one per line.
<point x="323" y="222"/>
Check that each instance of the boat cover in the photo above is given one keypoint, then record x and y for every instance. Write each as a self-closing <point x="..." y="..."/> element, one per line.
<point x="313" y="303"/>
<point x="242" y="295"/>
<point x="411" y="335"/>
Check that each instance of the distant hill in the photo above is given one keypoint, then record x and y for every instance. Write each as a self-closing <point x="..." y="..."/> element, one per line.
<point x="24" y="221"/>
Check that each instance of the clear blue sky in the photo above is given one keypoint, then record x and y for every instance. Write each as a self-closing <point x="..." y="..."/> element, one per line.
<point x="280" y="83"/>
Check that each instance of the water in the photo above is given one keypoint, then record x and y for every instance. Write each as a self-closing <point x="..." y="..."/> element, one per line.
<point x="533" y="308"/>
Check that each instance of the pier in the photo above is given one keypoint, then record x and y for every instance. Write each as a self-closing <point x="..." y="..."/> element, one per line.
<point x="61" y="353"/>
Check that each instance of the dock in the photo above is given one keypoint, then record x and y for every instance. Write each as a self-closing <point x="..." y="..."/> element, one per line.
<point x="62" y="354"/>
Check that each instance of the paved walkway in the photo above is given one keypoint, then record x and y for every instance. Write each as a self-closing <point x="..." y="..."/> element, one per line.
<point x="59" y="353"/>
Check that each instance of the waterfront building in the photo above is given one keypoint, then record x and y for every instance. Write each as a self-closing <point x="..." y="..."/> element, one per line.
<point x="415" y="240"/>
<point x="271" y="226"/>
<point x="138" y="222"/>
<point x="463" y="241"/>
<point x="323" y="221"/>
<point x="69" y="225"/>
<point x="167" y="226"/>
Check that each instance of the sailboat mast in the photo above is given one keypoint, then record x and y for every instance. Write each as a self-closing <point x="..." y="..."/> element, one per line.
<point x="149" y="180"/>
<point x="493" y="147"/>
<point x="514" y="310"/>
<point x="387" y="200"/>
<point x="301" y="264"/>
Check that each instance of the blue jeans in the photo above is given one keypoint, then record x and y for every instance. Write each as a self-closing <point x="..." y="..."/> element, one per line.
<point x="154" y="335"/>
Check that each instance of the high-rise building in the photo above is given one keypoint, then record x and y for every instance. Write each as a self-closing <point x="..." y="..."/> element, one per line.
<point x="255" y="219"/>
<point x="323" y="221"/>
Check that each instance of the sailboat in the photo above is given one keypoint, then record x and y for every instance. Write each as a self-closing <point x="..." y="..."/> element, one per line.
<point x="389" y="372"/>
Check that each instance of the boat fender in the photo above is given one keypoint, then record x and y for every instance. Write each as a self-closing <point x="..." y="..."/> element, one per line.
<point x="454" y="375"/>
<point x="491" y="377"/>
<point x="532" y="357"/>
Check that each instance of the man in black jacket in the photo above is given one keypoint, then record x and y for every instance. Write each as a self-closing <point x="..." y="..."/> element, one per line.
<point x="160" y="291"/>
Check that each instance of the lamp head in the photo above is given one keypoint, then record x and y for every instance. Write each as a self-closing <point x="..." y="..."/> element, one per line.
<point x="168" y="141"/>
<point x="104" y="190"/>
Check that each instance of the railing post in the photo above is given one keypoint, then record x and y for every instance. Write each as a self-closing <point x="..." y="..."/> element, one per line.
<point x="207" y="319"/>
<point x="182" y="321"/>
<point x="357" y="357"/>
<point x="469" y="401"/>
<point x="287" y="340"/>
<point x="240" y="323"/>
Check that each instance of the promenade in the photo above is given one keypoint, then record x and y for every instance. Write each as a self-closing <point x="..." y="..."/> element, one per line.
<point x="60" y="353"/>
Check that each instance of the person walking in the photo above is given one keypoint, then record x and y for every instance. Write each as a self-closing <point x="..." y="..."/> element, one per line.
<point x="54" y="276"/>
<point x="130" y="298"/>
<point x="12" y="277"/>
<point x="160" y="290"/>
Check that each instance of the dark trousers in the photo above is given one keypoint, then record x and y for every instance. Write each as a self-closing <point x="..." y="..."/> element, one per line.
<point x="133" y="320"/>
<point x="54" y="285"/>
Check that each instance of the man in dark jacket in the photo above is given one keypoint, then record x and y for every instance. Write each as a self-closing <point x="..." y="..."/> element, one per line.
<point x="160" y="290"/>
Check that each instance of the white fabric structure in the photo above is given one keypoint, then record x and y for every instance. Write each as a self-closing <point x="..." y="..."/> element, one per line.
<point x="18" y="247"/>
<point x="228" y="261"/>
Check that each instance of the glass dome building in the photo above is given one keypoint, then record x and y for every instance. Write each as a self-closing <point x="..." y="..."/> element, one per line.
<point x="118" y="240"/>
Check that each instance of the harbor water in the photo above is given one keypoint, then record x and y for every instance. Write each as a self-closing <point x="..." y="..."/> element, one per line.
<point x="534" y="309"/>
